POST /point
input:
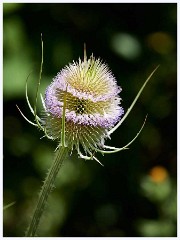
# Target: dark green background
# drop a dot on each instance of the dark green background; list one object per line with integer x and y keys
{"x": 123, "y": 198}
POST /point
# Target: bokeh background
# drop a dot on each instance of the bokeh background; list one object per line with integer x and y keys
{"x": 134, "y": 194}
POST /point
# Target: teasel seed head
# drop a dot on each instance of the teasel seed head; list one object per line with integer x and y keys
{"x": 92, "y": 104}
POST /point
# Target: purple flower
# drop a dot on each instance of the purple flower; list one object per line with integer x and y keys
{"x": 92, "y": 104}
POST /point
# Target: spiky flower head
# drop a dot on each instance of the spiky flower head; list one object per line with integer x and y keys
{"x": 89, "y": 92}
{"x": 81, "y": 108}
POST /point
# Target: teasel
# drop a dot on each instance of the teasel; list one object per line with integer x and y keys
{"x": 81, "y": 109}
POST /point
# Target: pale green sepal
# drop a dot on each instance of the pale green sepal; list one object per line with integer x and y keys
{"x": 30, "y": 107}
{"x": 89, "y": 158}
{"x": 125, "y": 147}
{"x": 109, "y": 147}
{"x": 133, "y": 103}
{"x": 26, "y": 117}
{"x": 40, "y": 75}
{"x": 9, "y": 205}
{"x": 43, "y": 103}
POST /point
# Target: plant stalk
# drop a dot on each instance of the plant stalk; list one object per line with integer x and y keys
{"x": 47, "y": 187}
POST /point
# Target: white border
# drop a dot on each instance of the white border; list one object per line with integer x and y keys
{"x": 1, "y": 119}
{"x": 89, "y": 1}
{"x": 1, "y": 111}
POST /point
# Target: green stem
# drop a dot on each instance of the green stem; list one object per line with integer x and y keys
{"x": 46, "y": 190}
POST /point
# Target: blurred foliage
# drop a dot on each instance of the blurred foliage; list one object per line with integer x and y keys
{"x": 134, "y": 194}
